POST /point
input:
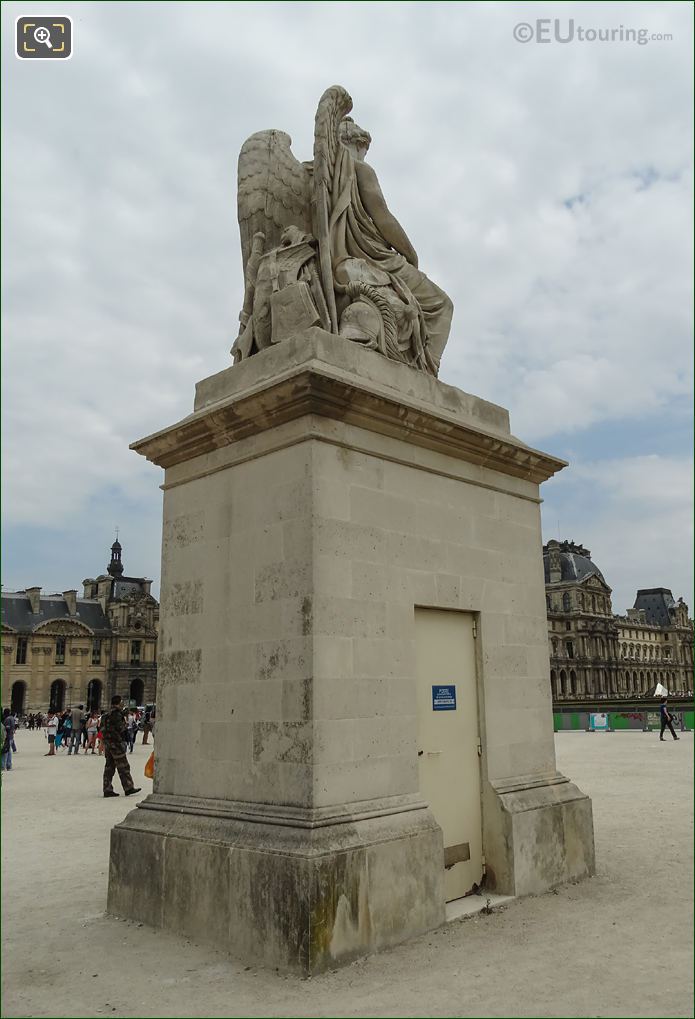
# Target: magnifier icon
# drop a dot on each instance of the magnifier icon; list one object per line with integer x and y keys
{"x": 42, "y": 34}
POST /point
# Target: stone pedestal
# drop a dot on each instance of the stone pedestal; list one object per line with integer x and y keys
{"x": 315, "y": 496}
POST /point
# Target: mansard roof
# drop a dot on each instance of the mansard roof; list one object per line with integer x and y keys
{"x": 16, "y": 612}
{"x": 656, "y": 602}
{"x": 126, "y": 587}
{"x": 576, "y": 565}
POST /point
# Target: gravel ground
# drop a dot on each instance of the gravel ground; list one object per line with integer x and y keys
{"x": 619, "y": 944}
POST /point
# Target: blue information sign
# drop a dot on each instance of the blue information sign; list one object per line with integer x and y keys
{"x": 444, "y": 698}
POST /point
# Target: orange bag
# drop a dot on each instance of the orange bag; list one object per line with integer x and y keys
{"x": 149, "y": 767}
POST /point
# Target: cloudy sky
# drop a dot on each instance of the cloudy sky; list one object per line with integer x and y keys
{"x": 545, "y": 185}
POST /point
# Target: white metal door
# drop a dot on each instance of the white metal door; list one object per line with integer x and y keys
{"x": 448, "y": 740}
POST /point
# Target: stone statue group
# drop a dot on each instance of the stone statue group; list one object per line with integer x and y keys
{"x": 320, "y": 247}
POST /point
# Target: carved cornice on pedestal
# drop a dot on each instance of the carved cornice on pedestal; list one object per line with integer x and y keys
{"x": 318, "y": 387}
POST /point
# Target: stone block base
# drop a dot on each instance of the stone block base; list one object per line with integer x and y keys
{"x": 301, "y": 891}
{"x": 539, "y": 834}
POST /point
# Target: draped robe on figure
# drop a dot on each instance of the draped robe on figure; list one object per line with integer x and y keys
{"x": 353, "y": 234}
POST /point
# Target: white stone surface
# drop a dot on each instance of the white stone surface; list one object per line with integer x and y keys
{"x": 309, "y": 505}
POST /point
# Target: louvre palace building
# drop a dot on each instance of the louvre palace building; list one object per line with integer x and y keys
{"x": 60, "y": 649}
{"x": 596, "y": 654}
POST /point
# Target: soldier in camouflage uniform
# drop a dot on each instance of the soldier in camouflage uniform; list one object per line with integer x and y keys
{"x": 113, "y": 730}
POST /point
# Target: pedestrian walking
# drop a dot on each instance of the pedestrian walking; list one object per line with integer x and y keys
{"x": 7, "y": 736}
{"x": 666, "y": 718}
{"x": 76, "y": 719}
{"x": 131, "y": 731}
{"x": 51, "y": 730}
{"x": 146, "y": 726}
{"x": 113, "y": 726}
{"x": 92, "y": 729}
{"x": 63, "y": 731}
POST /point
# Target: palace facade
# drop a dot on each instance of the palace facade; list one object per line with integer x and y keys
{"x": 594, "y": 653}
{"x": 60, "y": 649}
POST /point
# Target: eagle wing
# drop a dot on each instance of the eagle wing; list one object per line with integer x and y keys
{"x": 274, "y": 190}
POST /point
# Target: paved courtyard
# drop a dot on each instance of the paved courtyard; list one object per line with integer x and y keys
{"x": 620, "y": 944}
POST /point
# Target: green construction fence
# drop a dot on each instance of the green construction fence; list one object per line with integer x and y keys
{"x": 617, "y": 720}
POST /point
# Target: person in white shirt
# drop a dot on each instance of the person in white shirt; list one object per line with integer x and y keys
{"x": 131, "y": 730}
{"x": 51, "y": 730}
{"x": 92, "y": 728}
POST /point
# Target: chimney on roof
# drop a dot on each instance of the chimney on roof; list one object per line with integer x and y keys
{"x": 104, "y": 589}
{"x": 71, "y": 601}
{"x": 554, "y": 565}
{"x": 34, "y": 595}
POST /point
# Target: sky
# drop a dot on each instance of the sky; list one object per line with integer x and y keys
{"x": 546, "y": 186}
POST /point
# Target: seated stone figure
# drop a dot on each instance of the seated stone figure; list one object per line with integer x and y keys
{"x": 368, "y": 243}
{"x": 359, "y": 271}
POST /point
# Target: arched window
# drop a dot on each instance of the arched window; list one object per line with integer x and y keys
{"x": 94, "y": 692}
{"x": 593, "y": 603}
{"x": 563, "y": 682}
{"x": 18, "y": 696}
{"x": 547, "y": 603}
{"x": 137, "y": 691}
{"x": 57, "y": 699}
{"x": 573, "y": 683}
{"x": 566, "y": 604}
